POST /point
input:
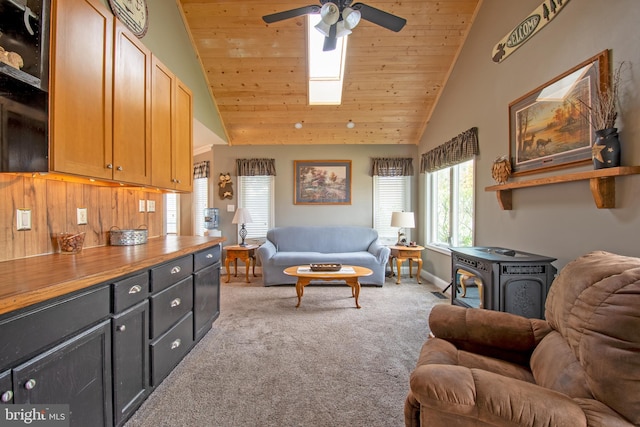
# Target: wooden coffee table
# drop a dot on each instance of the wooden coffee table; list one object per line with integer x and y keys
{"x": 348, "y": 273}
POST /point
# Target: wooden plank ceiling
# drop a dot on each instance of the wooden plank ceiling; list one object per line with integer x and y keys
{"x": 258, "y": 72}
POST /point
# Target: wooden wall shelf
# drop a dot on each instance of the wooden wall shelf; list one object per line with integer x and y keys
{"x": 601, "y": 181}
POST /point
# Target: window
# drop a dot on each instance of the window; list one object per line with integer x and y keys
{"x": 326, "y": 68}
{"x": 450, "y": 205}
{"x": 200, "y": 202}
{"x": 171, "y": 213}
{"x": 390, "y": 194}
{"x": 256, "y": 194}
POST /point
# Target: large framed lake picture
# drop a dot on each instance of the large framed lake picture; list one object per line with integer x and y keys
{"x": 549, "y": 127}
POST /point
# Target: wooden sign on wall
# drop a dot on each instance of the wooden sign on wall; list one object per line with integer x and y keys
{"x": 526, "y": 29}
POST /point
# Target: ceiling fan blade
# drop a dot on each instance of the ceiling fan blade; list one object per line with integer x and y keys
{"x": 380, "y": 17}
{"x": 331, "y": 41}
{"x": 293, "y": 13}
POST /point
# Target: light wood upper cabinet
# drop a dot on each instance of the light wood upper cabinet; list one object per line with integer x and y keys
{"x": 100, "y": 99}
{"x": 171, "y": 130}
{"x": 81, "y": 88}
{"x": 131, "y": 109}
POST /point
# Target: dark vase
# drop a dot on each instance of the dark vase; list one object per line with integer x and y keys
{"x": 606, "y": 149}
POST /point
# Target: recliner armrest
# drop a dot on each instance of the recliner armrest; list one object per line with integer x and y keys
{"x": 488, "y": 332}
{"x": 490, "y": 397}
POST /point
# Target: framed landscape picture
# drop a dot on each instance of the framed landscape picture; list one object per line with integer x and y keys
{"x": 322, "y": 182}
{"x": 549, "y": 127}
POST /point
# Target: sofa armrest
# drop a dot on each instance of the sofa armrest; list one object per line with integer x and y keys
{"x": 380, "y": 251}
{"x": 266, "y": 251}
{"x": 488, "y": 332}
{"x": 491, "y": 398}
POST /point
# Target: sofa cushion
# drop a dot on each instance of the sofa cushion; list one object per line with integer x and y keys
{"x": 286, "y": 259}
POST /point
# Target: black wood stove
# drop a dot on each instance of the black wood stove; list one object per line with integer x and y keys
{"x": 501, "y": 279}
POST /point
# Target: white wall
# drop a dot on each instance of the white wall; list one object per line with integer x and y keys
{"x": 560, "y": 220}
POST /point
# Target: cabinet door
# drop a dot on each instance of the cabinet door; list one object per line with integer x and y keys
{"x": 6, "y": 388}
{"x": 131, "y": 109}
{"x": 130, "y": 360}
{"x": 183, "y": 147}
{"x": 81, "y": 88}
{"x": 206, "y": 303}
{"x": 162, "y": 125}
{"x": 77, "y": 372}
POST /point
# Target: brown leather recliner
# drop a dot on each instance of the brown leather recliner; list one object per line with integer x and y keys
{"x": 579, "y": 367}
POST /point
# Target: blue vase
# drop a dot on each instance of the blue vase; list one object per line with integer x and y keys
{"x": 606, "y": 149}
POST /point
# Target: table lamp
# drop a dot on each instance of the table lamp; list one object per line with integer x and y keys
{"x": 242, "y": 217}
{"x": 402, "y": 220}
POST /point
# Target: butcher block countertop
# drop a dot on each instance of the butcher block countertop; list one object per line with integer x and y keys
{"x": 28, "y": 281}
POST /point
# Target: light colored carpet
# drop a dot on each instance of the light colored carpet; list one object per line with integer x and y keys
{"x": 266, "y": 363}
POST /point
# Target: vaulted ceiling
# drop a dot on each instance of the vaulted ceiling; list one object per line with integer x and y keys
{"x": 257, "y": 72}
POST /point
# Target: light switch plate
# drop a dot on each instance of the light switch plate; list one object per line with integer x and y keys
{"x": 141, "y": 206}
{"x": 81, "y": 214}
{"x": 23, "y": 219}
{"x": 231, "y": 208}
{"x": 151, "y": 205}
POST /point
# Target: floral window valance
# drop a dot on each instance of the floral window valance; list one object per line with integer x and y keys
{"x": 201, "y": 169}
{"x": 460, "y": 149}
{"x": 392, "y": 166}
{"x": 253, "y": 167}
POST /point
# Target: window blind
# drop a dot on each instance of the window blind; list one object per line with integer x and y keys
{"x": 255, "y": 193}
{"x": 391, "y": 194}
{"x": 200, "y": 202}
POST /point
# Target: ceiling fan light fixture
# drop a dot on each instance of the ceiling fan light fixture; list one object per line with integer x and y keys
{"x": 351, "y": 18}
{"x": 323, "y": 28}
{"x": 342, "y": 30}
{"x": 330, "y": 13}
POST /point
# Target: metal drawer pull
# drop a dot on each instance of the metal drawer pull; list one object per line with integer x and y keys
{"x": 135, "y": 289}
{"x": 121, "y": 328}
{"x": 30, "y": 385}
{"x": 7, "y": 396}
{"x": 209, "y": 256}
{"x": 176, "y": 344}
{"x": 175, "y": 269}
{"x": 176, "y": 302}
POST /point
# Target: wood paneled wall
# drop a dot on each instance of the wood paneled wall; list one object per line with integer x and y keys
{"x": 53, "y": 203}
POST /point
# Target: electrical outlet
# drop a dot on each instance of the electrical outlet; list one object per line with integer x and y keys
{"x": 151, "y": 205}
{"x": 81, "y": 214}
{"x": 141, "y": 206}
{"x": 23, "y": 219}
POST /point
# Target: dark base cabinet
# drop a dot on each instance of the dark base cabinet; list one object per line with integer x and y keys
{"x": 103, "y": 350}
{"x": 130, "y": 331}
{"x": 76, "y": 372}
{"x": 206, "y": 309}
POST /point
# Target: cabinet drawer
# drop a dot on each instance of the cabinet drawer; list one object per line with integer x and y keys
{"x": 6, "y": 387}
{"x": 170, "y": 305}
{"x": 167, "y": 274}
{"x": 130, "y": 291}
{"x": 170, "y": 348}
{"x": 33, "y": 330}
{"x": 207, "y": 257}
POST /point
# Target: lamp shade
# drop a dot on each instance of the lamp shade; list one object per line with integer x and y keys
{"x": 350, "y": 17}
{"x": 242, "y": 216}
{"x": 330, "y": 13}
{"x": 403, "y": 220}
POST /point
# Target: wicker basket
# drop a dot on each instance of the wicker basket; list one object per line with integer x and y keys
{"x": 138, "y": 236}
{"x": 325, "y": 267}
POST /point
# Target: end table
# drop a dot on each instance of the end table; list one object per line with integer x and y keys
{"x": 403, "y": 253}
{"x": 246, "y": 254}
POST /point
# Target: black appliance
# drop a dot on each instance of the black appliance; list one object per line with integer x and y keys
{"x": 24, "y": 98}
{"x": 501, "y": 279}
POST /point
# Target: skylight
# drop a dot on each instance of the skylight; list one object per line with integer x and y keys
{"x": 326, "y": 69}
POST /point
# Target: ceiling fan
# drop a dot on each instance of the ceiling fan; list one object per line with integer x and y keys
{"x": 339, "y": 17}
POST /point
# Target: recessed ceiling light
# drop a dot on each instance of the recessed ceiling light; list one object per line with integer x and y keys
{"x": 298, "y": 125}
{"x": 351, "y": 125}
